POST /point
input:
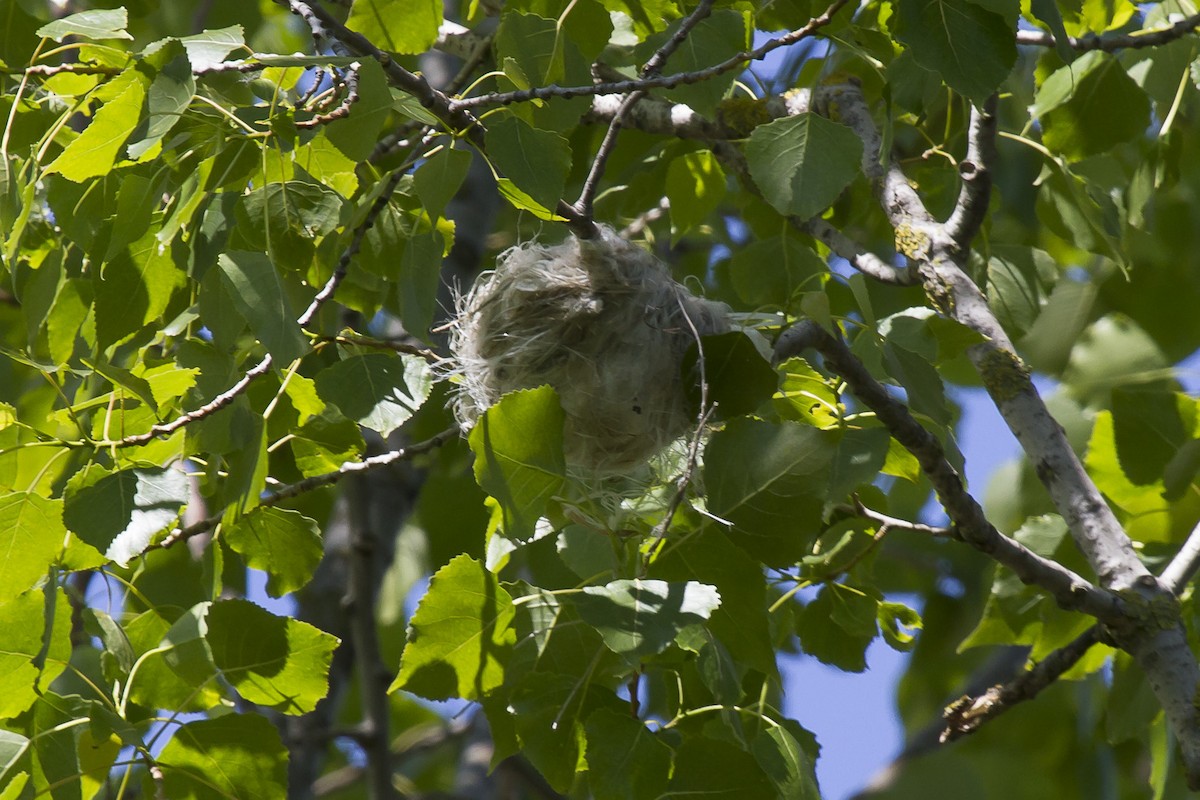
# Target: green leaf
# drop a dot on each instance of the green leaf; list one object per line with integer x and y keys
{"x": 377, "y": 390}
{"x": 117, "y": 648}
{"x": 323, "y": 445}
{"x": 838, "y": 626}
{"x": 550, "y": 711}
{"x": 718, "y": 771}
{"x": 357, "y": 134}
{"x": 254, "y": 288}
{"x": 37, "y": 645}
{"x": 805, "y": 396}
{"x": 1019, "y": 280}
{"x": 277, "y": 662}
{"x": 518, "y": 446}
{"x": 232, "y": 756}
{"x": 120, "y": 512}
{"x": 285, "y": 219}
{"x": 768, "y": 272}
{"x": 437, "y": 180}
{"x": 135, "y": 288}
{"x": 171, "y": 92}
{"x": 1047, "y": 11}
{"x": 552, "y": 637}
{"x": 769, "y": 481}
{"x": 787, "y": 764}
{"x": 417, "y": 284}
{"x": 1090, "y": 106}
{"x": 861, "y": 454}
{"x": 740, "y": 622}
{"x": 14, "y": 749}
{"x": 210, "y": 47}
{"x": 283, "y": 543}
{"x": 98, "y": 25}
{"x": 921, "y": 381}
{"x": 95, "y": 151}
{"x": 972, "y": 48}
{"x": 461, "y": 636}
{"x": 642, "y": 617}
{"x": 896, "y": 621}
{"x": 31, "y": 537}
{"x": 740, "y": 380}
{"x": 802, "y": 163}
{"x": 1149, "y": 426}
{"x": 625, "y": 759}
{"x": 536, "y": 161}
{"x": 400, "y": 26}
{"x": 158, "y": 684}
{"x": 695, "y": 187}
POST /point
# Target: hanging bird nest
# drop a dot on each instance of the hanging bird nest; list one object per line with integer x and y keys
{"x": 604, "y": 323}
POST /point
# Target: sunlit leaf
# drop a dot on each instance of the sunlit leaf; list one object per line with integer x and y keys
{"x": 461, "y": 636}
{"x": 236, "y": 755}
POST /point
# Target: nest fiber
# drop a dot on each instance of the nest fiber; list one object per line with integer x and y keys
{"x": 601, "y": 321}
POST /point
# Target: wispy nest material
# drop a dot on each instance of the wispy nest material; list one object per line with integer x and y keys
{"x": 601, "y": 321}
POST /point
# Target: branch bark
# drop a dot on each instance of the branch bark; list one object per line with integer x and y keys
{"x": 1149, "y": 627}
{"x": 1068, "y": 588}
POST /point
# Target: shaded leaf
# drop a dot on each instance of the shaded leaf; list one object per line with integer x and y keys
{"x": 1089, "y": 106}
{"x": 768, "y": 480}
{"x": 253, "y": 286}
{"x": 536, "y": 161}
{"x": 718, "y": 770}
{"x": 624, "y": 758}
{"x": 695, "y": 187}
{"x": 802, "y": 163}
{"x": 970, "y": 47}
{"x": 642, "y": 617}
{"x": 119, "y": 512}
{"x": 377, "y": 390}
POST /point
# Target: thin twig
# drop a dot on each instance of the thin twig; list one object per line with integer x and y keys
{"x": 967, "y": 714}
{"x": 1115, "y": 41}
{"x": 316, "y": 482}
{"x": 859, "y": 257}
{"x": 667, "y": 82}
{"x": 651, "y": 68}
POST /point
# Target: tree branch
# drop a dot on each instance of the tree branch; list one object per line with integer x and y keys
{"x": 1184, "y": 565}
{"x": 975, "y": 171}
{"x": 373, "y": 674}
{"x": 967, "y": 714}
{"x": 1149, "y": 627}
{"x": 1068, "y": 588}
{"x": 1117, "y": 41}
{"x": 316, "y": 482}
{"x": 644, "y": 84}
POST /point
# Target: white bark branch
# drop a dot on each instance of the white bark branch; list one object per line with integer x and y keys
{"x": 1151, "y": 630}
